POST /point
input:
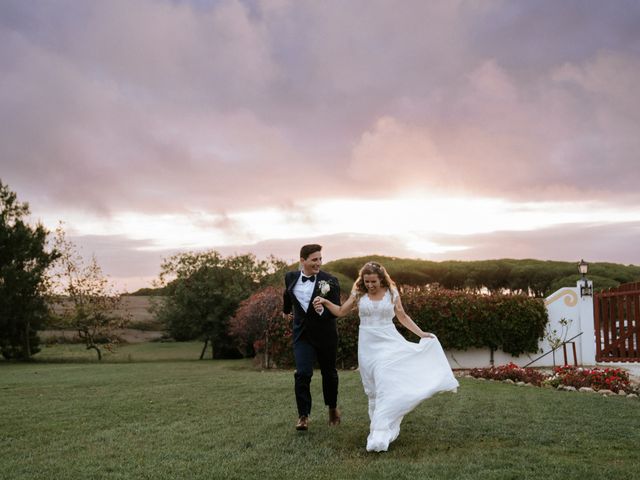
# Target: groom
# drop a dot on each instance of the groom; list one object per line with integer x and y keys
{"x": 314, "y": 332}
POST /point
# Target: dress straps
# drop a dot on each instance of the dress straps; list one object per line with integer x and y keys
{"x": 394, "y": 295}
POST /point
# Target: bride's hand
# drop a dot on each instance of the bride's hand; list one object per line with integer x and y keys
{"x": 427, "y": 335}
{"x": 319, "y": 301}
{"x": 318, "y": 305}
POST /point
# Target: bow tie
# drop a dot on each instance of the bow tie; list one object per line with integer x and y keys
{"x": 312, "y": 278}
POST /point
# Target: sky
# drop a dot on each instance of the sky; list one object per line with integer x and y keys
{"x": 438, "y": 130}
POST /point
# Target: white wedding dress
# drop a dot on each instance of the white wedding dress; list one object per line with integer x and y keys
{"x": 396, "y": 374}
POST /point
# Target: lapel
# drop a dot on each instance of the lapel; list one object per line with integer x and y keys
{"x": 293, "y": 282}
{"x": 296, "y": 277}
{"x": 316, "y": 289}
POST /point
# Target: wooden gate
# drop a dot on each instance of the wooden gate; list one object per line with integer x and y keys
{"x": 617, "y": 323}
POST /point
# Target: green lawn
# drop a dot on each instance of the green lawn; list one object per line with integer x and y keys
{"x": 138, "y": 417}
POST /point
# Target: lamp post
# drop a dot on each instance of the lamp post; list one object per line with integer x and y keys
{"x": 585, "y": 288}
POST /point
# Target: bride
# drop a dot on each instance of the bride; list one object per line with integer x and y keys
{"x": 396, "y": 374}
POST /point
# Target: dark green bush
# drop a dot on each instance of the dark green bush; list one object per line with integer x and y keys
{"x": 461, "y": 320}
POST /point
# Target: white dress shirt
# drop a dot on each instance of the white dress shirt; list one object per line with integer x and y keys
{"x": 304, "y": 290}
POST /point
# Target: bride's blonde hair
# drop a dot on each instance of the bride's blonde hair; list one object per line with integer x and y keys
{"x": 370, "y": 268}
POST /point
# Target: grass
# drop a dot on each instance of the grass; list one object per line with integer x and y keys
{"x": 165, "y": 418}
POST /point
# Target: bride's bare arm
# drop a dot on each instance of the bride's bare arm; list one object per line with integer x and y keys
{"x": 338, "y": 311}
{"x": 406, "y": 320}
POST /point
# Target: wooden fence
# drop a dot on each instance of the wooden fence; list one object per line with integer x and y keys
{"x": 617, "y": 323}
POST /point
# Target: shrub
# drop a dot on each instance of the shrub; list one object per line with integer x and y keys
{"x": 510, "y": 372}
{"x": 279, "y": 335}
{"x": 462, "y": 320}
{"x": 348, "y": 327}
{"x": 258, "y": 328}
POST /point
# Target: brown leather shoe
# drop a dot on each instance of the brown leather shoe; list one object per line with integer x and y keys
{"x": 303, "y": 423}
{"x": 334, "y": 416}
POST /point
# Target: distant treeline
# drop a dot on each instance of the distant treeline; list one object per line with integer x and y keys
{"x": 535, "y": 277}
{"x": 149, "y": 292}
{"x": 530, "y": 277}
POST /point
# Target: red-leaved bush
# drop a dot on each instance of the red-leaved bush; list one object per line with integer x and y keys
{"x": 257, "y": 326}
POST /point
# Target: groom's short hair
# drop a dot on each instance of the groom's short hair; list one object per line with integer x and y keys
{"x": 307, "y": 250}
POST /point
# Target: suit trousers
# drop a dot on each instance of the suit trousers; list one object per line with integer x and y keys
{"x": 306, "y": 352}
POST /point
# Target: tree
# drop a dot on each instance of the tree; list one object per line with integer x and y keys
{"x": 23, "y": 281}
{"x": 203, "y": 292}
{"x": 86, "y": 299}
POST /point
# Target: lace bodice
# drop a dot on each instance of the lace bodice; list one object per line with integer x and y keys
{"x": 376, "y": 313}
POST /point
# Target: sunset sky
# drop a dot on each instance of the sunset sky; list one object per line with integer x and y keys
{"x": 423, "y": 129}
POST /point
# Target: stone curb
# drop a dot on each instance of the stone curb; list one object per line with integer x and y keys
{"x": 566, "y": 388}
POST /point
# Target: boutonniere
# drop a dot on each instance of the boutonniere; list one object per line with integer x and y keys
{"x": 324, "y": 287}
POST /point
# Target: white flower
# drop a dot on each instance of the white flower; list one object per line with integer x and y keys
{"x": 324, "y": 287}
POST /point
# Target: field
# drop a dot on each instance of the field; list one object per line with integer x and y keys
{"x": 138, "y": 309}
{"x": 136, "y": 306}
{"x": 143, "y": 326}
{"x": 151, "y": 411}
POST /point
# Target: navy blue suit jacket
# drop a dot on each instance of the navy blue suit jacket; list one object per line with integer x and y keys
{"x": 317, "y": 329}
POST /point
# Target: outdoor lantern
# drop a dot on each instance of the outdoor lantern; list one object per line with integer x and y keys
{"x": 585, "y": 289}
{"x": 583, "y": 267}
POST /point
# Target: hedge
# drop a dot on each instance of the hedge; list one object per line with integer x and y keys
{"x": 511, "y": 323}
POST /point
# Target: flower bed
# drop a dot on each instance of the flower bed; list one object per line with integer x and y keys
{"x": 510, "y": 372}
{"x": 615, "y": 380}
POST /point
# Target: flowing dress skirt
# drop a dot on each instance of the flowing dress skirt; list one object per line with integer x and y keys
{"x": 397, "y": 375}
